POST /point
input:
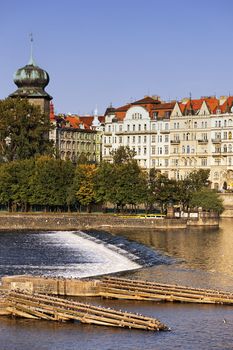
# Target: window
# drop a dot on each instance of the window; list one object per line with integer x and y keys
{"x": 139, "y": 150}
{"x": 139, "y": 139}
{"x": 133, "y": 139}
{"x": 144, "y": 139}
{"x": 224, "y": 148}
{"x": 225, "y": 135}
{"x": 165, "y": 149}
{"x": 178, "y": 125}
{"x": 153, "y": 139}
{"x": 144, "y": 126}
{"x": 128, "y": 139}
{"x": 166, "y": 138}
{"x": 188, "y": 149}
{"x": 230, "y": 148}
{"x": 139, "y": 127}
{"x": 128, "y": 127}
{"x": 160, "y": 138}
{"x": 153, "y": 150}
{"x": 144, "y": 151}
{"x": 204, "y": 162}
{"x": 153, "y": 126}
{"x": 195, "y": 124}
{"x": 120, "y": 139}
{"x": 133, "y": 127}
{"x": 166, "y": 162}
{"x": 166, "y": 126}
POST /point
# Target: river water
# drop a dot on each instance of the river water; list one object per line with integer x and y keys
{"x": 199, "y": 258}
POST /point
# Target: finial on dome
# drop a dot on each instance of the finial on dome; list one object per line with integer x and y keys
{"x": 96, "y": 111}
{"x": 31, "y": 60}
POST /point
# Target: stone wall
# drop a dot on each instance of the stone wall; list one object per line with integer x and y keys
{"x": 81, "y": 222}
{"x": 228, "y": 204}
{"x": 64, "y": 222}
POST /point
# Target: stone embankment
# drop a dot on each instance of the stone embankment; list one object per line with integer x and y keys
{"x": 75, "y": 221}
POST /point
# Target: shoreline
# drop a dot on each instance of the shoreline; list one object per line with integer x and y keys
{"x": 69, "y": 222}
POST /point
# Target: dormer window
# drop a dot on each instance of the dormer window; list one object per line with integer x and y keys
{"x": 155, "y": 115}
{"x": 218, "y": 111}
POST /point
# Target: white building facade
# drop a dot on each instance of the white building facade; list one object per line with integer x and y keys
{"x": 175, "y": 137}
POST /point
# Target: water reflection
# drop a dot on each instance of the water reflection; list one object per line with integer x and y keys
{"x": 205, "y": 249}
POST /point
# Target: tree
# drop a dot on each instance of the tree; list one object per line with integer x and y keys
{"x": 195, "y": 181}
{"x": 105, "y": 182}
{"x": 123, "y": 155}
{"x": 24, "y": 130}
{"x": 207, "y": 199}
{"x": 51, "y": 182}
{"x": 84, "y": 185}
{"x": 15, "y": 179}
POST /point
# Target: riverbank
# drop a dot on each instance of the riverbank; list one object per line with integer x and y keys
{"x": 74, "y": 221}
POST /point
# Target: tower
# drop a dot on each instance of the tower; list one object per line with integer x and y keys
{"x": 31, "y": 81}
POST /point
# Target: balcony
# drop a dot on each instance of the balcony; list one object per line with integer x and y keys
{"x": 175, "y": 142}
{"x": 217, "y": 140}
{"x": 203, "y": 141}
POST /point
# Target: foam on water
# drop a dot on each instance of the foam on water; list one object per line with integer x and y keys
{"x": 103, "y": 259}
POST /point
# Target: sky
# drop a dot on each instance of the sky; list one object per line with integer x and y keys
{"x": 102, "y": 52}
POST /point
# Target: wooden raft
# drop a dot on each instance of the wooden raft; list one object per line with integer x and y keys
{"x": 122, "y": 288}
{"x": 39, "y": 306}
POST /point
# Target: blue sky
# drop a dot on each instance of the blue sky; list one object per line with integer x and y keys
{"x": 99, "y": 52}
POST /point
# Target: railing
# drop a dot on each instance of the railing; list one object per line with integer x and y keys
{"x": 175, "y": 142}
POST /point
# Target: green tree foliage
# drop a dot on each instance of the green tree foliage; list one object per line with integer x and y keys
{"x": 15, "y": 179}
{"x": 161, "y": 190}
{"x": 130, "y": 185}
{"x": 23, "y": 130}
{"x": 105, "y": 182}
{"x": 123, "y": 155}
{"x": 51, "y": 182}
{"x": 84, "y": 185}
{"x": 195, "y": 181}
{"x": 207, "y": 199}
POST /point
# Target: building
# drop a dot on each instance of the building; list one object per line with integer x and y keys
{"x": 143, "y": 126}
{"x": 77, "y": 136}
{"x": 175, "y": 137}
{"x": 31, "y": 81}
{"x": 201, "y": 137}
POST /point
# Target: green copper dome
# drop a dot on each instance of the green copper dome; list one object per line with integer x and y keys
{"x": 31, "y": 81}
{"x": 31, "y": 76}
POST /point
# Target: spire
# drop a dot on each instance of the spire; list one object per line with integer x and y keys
{"x": 96, "y": 112}
{"x": 31, "y": 60}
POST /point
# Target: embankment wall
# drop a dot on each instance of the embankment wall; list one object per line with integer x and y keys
{"x": 65, "y": 222}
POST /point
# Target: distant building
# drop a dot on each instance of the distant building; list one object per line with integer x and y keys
{"x": 31, "y": 81}
{"x": 76, "y": 136}
{"x": 143, "y": 126}
{"x": 176, "y": 137}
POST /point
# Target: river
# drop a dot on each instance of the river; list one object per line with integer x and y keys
{"x": 199, "y": 258}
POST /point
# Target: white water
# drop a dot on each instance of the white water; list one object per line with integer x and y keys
{"x": 102, "y": 258}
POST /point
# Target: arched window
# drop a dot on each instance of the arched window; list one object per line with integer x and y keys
{"x": 183, "y": 149}
{"x": 188, "y": 149}
{"x": 225, "y": 148}
{"x": 225, "y": 123}
{"x": 230, "y": 135}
